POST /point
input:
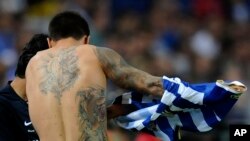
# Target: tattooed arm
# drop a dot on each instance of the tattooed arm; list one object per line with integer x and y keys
{"x": 126, "y": 76}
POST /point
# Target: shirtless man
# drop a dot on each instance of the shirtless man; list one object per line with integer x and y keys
{"x": 66, "y": 84}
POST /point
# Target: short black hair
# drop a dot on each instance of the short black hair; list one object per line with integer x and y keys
{"x": 68, "y": 24}
{"x": 37, "y": 43}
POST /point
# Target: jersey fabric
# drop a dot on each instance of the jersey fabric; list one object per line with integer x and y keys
{"x": 15, "y": 124}
{"x": 191, "y": 107}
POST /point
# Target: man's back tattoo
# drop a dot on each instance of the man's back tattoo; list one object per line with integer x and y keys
{"x": 92, "y": 114}
{"x": 60, "y": 71}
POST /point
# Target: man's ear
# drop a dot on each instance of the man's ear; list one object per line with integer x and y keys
{"x": 88, "y": 39}
{"x": 51, "y": 43}
{"x": 85, "y": 39}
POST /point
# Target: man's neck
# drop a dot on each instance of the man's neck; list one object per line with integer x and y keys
{"x": 18, "y": 84}
{"x": 68, "y": 42}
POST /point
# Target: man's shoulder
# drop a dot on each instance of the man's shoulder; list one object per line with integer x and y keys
{"x": 35, "y": 59}
{"x": 103, "y": 48}
{"x": 100, "y": 51}
{"x": 86, "y": 47}
{"x": 39, "y": 55}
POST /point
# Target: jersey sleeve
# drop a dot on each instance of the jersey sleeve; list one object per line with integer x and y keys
{"x": 6, "y": 133}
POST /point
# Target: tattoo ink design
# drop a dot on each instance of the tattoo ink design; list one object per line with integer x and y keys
{"x": 115, "y": 67}
{"x": 126, "y": 76}
{"x": 60, "y": 71}
{"x": 92, "y": 114}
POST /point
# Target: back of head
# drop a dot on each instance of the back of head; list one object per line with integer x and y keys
{"x": 37, "y": 43}
{"x": 68, "y": 24}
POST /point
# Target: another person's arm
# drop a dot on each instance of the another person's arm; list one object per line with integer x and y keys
{"x": 126, "y": 76}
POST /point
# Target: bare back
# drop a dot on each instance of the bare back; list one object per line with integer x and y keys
{"x": 66, "y": 93}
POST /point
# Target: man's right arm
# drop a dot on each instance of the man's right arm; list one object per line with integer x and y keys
{"x": 126, "y": 76}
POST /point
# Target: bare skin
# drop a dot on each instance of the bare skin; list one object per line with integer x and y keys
{"x": 66, "y": 90}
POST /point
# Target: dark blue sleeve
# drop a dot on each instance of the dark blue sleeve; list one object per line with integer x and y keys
{"x": 6, "y": 128}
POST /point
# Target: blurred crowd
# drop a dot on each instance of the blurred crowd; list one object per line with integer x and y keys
{"x": 196, "y": 40}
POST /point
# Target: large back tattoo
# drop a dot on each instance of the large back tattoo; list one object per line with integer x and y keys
{"x": 59, "y": 74}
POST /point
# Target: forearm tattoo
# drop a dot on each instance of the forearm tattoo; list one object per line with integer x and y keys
{"x": 116, "y": 68}
{"x": 60, "y": 71}
{"x": 92, "y": 114}
{"x": 126, "y": 76}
